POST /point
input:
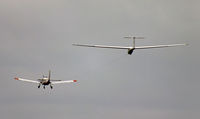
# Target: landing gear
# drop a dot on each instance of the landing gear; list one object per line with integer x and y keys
{"x": 51, "y": 86}
{"x": 39, "y": 86}
{"x": 44, "y": 86}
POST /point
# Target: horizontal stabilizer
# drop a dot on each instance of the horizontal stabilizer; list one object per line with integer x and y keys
{"x": 133, "y": 37}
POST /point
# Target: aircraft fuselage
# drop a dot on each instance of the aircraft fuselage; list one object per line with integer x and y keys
{"x": 44, "y": 81}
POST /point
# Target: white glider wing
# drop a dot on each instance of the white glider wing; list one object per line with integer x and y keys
{"x": 27, "y": 80}
{"x": 130, "y": 49}
{"x": 102, "y": 46}
{"x": 59, "y": 82}
{"x": 159, "y": 46}
{"x": 123, "y": 47}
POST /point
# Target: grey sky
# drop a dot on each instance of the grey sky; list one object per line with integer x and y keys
{"x": 36, "y": 36}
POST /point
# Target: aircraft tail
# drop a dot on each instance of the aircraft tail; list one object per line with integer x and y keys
{"x": 133, "y": 38}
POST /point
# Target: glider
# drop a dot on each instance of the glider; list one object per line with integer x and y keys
{"x": 130, "y": 48}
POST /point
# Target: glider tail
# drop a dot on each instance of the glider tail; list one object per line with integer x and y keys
{"x": 133, "y": 38}
{"x": 130, "y": 51}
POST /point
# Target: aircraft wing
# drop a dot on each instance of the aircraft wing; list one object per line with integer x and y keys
{"x": 102, "y": 46}
{"x": 159, "y": 46}
{"x": 27, "y": 80}
{"x": 59, "y": 82}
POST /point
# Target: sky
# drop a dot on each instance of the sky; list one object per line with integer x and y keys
{"x": 36, "y": 36}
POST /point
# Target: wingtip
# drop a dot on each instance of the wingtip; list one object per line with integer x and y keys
{"x": 16, "y": 78}
{"x": 75, "y": 80}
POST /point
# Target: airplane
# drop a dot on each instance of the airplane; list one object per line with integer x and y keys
{"x": 46, "y": 81}
{"x": 130, "y": 48}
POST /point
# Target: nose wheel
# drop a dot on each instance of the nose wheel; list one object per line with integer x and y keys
{"x": 39, "y": 86}
{"x": 44, "y": 86}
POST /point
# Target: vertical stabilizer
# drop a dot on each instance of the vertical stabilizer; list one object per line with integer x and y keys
{"x": 49, "y": 77}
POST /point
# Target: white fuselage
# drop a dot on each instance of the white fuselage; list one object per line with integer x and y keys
{"x": 44, "y": 81}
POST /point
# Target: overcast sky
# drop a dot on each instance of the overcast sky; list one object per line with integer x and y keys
{"x": 36, "y": 36}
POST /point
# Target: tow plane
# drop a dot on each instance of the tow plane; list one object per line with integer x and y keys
{"x": 46, "y": 80}
{"x": 130, "y": 48}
